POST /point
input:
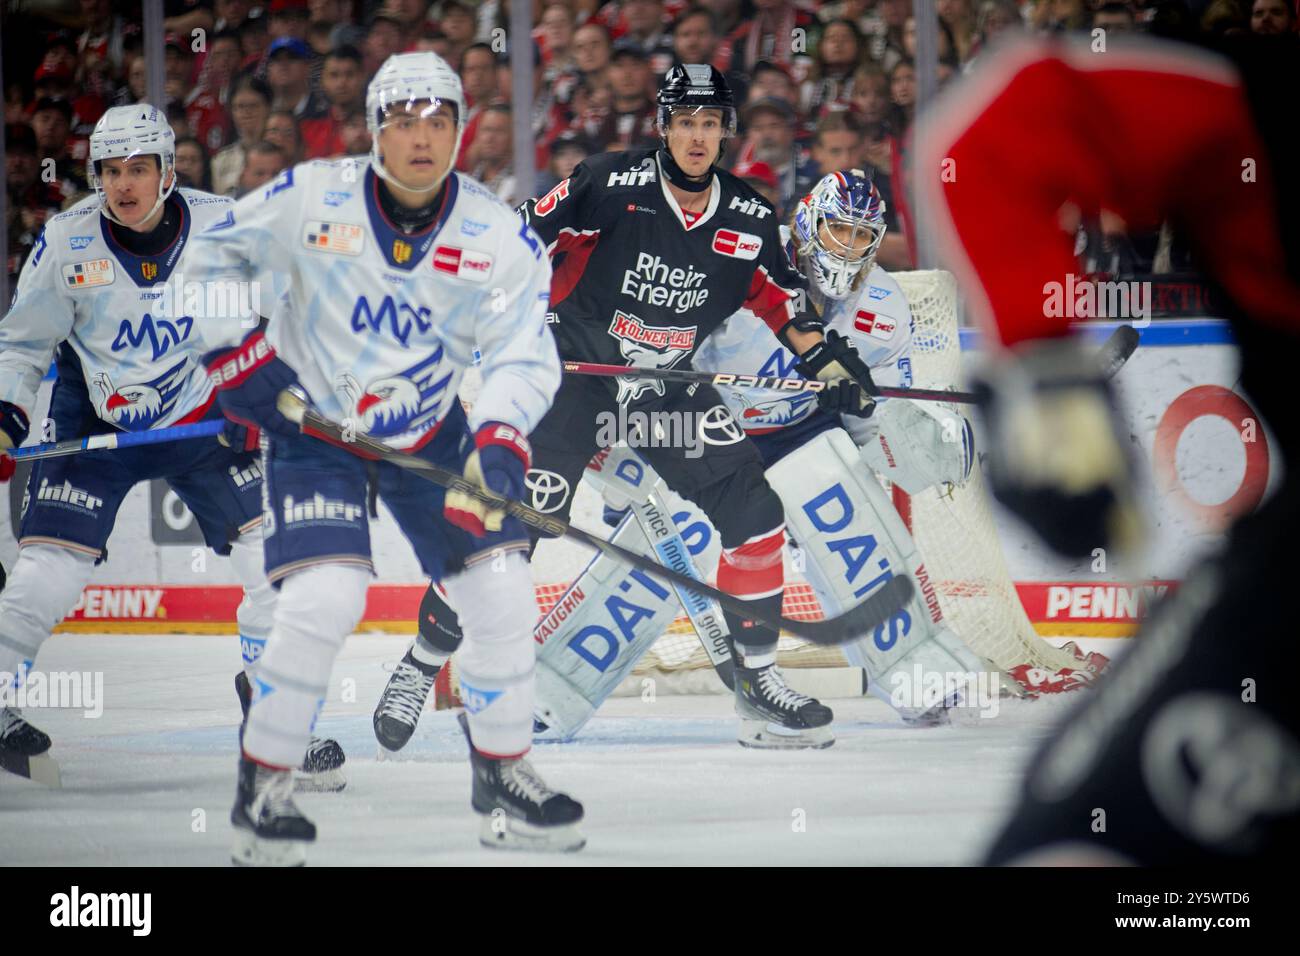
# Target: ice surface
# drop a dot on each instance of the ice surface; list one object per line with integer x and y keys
{"x": 664, "y": 781}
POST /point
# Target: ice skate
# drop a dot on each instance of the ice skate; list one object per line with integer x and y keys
{"x": 269, "y": 829}
{"x": 401, "y": 703}
{"x": 24, "y": 750}
{"x": 774, "y": 717}
{"x": 518, "y": 810}
{"x": 322, "y": 764}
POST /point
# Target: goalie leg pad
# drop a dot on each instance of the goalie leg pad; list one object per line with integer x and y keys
{"x": 497, "y": 606}
{"x": 913, "y": 448}
{"x": 852, "y": 541}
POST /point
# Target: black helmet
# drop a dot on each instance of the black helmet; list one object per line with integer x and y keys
{"x": 696, "y": 85}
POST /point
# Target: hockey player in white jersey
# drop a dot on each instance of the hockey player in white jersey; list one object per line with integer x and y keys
{"x": 396, "y": 268}
{"x": 100, "y": 288}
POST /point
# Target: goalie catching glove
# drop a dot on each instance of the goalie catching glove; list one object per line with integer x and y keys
{"x": 249, "y": 380}
{"x": 835, "y": 360}
{"x": 497, "y": 465}
{"x": 1057, "y": 456}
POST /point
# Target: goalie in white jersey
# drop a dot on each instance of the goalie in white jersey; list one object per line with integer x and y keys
{"x": 395, "y": 269}
{"x": 104, "y": 287}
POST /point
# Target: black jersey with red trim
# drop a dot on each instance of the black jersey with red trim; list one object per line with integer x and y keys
{"x": 633, "y": 285}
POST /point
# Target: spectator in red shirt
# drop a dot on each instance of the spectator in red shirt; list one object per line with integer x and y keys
{"x": 759, "y": 175}
{"x": 344, "y": 85}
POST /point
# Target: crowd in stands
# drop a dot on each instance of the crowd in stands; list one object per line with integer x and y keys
{"x": 255, "y": 87}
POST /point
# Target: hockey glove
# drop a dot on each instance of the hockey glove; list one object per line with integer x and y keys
{"x": 1057, "y": 456}
{"x": 239, "y": 437}
{"x": 835, "y": 360}
{"x": 497, "y": 464}
{"x": 13, "y": 432}
{"x": 249, "y": 379}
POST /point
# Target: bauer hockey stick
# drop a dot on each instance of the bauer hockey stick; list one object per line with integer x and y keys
{"x": 111, "y": 440}
{"x": 1111, "y": 357}
{"x": 865, "y": 617}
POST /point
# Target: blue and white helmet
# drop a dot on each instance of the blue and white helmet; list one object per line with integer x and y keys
{"x": 407, "y": 78}
{"x": 837, "y": 229}
{"x": 127, "y": 131}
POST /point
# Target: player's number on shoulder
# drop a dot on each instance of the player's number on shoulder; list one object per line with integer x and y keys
{"x": 530, "y": 237}
{"x": 546, "y": 205}
{"x": 282, "y": 182}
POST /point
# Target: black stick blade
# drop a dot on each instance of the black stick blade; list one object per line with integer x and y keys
{"x": 1117, "y": 350}
{"x": 864, "y": 618}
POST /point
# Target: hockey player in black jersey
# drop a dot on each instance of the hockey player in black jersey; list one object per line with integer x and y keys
{"x": 652, "y": 250}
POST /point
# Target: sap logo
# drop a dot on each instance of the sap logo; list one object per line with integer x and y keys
{"x": 832, "y": 513}
{"x": 399, "y": 318}
{"x": 80, "y": 242}
{"x": 633, "y": 177}
{"x": 477, "y": 699}
{"x": 597, "y": 644}
{"x": 161, "y": 334}
{"x": 751, "y": 207}
{"x": 336, "y": 198}
{"x": 472, "y": 227}
{"x": 877, "y": 293}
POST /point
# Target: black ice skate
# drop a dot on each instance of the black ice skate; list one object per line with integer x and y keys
{"x": 322, "y": 764}
{"x": 518, "y": 810}
{"x": 774, "y": 717}
{"x": 269, "y": 829}
{"x": 401, "y": 703}
{"x": 24, "y": 749}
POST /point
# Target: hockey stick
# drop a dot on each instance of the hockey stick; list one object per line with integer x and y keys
{"x": 111, "y": 440}
{"x": 867, "y": 616}
{"x": 1112, "y": 356}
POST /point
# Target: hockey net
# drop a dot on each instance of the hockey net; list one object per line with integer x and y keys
{"x": 954, "y": 529}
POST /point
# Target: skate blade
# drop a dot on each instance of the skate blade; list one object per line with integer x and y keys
{"x": 500, "y": 832}
{"x": 251, "y": 850}
{"x": 761, "y": 735}
{"x": 40, "y": 769}
{"x": 324, "y": 781}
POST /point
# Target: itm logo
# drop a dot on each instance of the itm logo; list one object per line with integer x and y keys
{"x": 76, "y": 909}
{"x": 750, "y": 207}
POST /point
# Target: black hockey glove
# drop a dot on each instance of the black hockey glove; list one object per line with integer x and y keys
{"x": 1057, "y": 455}
{"x": 249, "y": 380}
{"x": 835, "y": 360}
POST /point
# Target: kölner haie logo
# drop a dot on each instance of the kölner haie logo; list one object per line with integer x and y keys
{"x": 132, "y": 910}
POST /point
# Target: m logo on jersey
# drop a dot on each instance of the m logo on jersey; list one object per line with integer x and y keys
{"x": 160, "y": 333}
{"x": 648, "y": 347}
{"x": 93, "y": 273}
{"x": 738, "y": 245}
{"x": 401, "y": 251}
{"x": 876, "y": 326}
{"x": 341, "y": 237}
{"x": 399, "y": 403}
{"x": 462, "y": 263}
{"x": 400, "y": 317}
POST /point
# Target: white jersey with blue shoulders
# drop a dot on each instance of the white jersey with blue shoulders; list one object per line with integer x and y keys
{"x": 877, "y": 319}
{"x": 379, "y": 325}
{"x": 138, "y": 336}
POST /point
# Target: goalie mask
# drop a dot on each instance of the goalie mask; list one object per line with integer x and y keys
{"x": 125, "y": 132}
{"x": 413, "y": 86}
{"x": 837, "y": 229}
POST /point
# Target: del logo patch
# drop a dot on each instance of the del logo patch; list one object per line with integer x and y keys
{"x": 738, "y": 245}
{"x": 341, "y": 237}
{"x": 876, "y": 326}
{"x": 462, "y": 263}
{"x": 92, "y": 273}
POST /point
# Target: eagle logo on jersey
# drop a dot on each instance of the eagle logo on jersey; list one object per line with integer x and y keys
{"x": 400, "y": 403}
{"x": 139, "y": 406}
{"x": 648, "y": 347}
{"x": 149, "y": 270}
{"x": 775, "y": 412}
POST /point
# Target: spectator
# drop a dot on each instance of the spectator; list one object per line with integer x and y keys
{"x": 645, "y": 26}
{"x": 630, "y": 123}
{"x": 250, "y": 105}
{"x": 875, "y": 109}
{"x": 695, "y": 36}
{"x": 591, "y": 52}
{"x": 137, "y": 78}
{"x": 479, "y": 79}
{"x": 995, "y": 18}
{"x": 356, "y": 135}
{"x": 230, "y": 14}
{"x": 839, "y": 52}
{"x": 902, "y": 90}
{"x": 344, "y": 85}
{"x": 555, "y": 33}
{"x": 1223, "y": 15}
{"x": 282, "y": 131}
{"x": 264, "y": 162}
{"x": 947, "y": 46}
{"x": 183, "y": 17}
{"x": 383, "y": 39}
{"x": 254, "y": 40}
{"x": 769, "y": 138}
{"x": 491, "y": 158}
{"x": 959, "y": 17}
{"x": 887, "y": 46}
{"x": 1271, "y": 16}
{"x": 178, "y": 120}
{"x": 772, "y": 80}
{"x": 837, "y": 145}
{"x": 778, "y": 29}
{"x": 101, "y": 48}
{"x": 52, "y": 122}
{"x": 1114, "y": 18}
{"x": 567, "y": 151}
{"x": 29, "y": 200}
{"x": 193, "y": 168}
{"x": 860, "y": 12}
{"x": 288, "y": 74}
{"x": 760, "y": 176}
{"x": 456, "y": 19}
{"x": 288, "y": 18}
{"x": 220, "y": 66}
